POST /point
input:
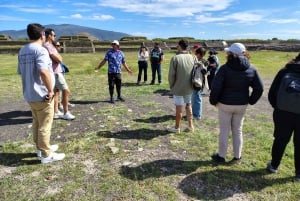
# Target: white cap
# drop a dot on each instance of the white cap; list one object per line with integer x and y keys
{"x": 115, "y": 42}
{"x": 236, "y": 48}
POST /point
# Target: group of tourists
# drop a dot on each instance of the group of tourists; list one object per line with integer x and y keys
{"x": 233, "y": 86}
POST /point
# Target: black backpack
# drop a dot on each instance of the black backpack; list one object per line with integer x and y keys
{"x": 288, "y": 96}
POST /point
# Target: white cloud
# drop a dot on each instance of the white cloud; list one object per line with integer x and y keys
{"x": 239, "y": 17}
{"x": 37, "y": 10}
{"x": 76, "y": 16}
{"x": 167, "y": 8}
{"x": 93, "y": 17}
{"x": 11, "y": 18}
{"x": 284, "y": 21}
{"x": 102, "y": 17}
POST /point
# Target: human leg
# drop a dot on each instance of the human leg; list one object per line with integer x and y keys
{"x": 178, "y": 116}
{"x": 118, "y": 80}
{"x": 153, "y": 69}
{"x": 225, "y": 118}
{"x": 111, "y": 83}
{"x": 159, "y": 73}
{"x": 178, "y": 102}
{"x": 283, "y": 128}
{"x": 197, "y": 104}
{"x": 44, "y": 116}
{"x": 296, "y": 141}
{"x": 35, "y": 125}
{"x": 237, "y": 130}
{"x": 140, "y": 73}
{"x": 145, "y": 72}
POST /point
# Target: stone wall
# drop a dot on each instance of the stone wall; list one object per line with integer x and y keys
{"x": 86, "y": 46}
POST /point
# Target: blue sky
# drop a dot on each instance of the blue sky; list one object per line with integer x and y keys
{"x": 202, "y": 19}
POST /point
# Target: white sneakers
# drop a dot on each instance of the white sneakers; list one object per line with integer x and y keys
{"x": 53, "y": 157}
{"x": 58, "y": 115}
{"x": 53, "y": 148}
{"x": 177, "y": 130}
{"x": 174, "y": 130}
{"x": 68, "y": 116}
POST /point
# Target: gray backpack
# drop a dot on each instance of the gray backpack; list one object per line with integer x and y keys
{"x": 198, "y": 75}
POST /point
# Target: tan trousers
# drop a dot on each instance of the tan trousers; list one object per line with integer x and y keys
{"x": 231, "y": 118}
{"x": 42, "y": 114}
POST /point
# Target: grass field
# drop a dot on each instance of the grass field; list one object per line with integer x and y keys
{"x": 123, "y": 152}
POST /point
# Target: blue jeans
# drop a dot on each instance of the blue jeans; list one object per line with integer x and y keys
{"x": 197, "y": 104}
{"x": 156, "y": 68}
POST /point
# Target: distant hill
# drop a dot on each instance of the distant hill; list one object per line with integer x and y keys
{"x": 69, "y": 29}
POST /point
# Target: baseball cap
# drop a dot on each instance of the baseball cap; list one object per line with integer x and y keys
{"x": 236, "y": 48}
{"x": 196, "y": 46}
{"x": 115, "y": 42}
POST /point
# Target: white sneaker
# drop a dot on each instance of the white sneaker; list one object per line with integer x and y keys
{"x": 174, "y": 130}
{"x": 71, "y": 104}
{"x": 190, "y": 129}
{"x": 53, "y": 148}
{"x": 53, "y": 157}
{"x": 68, "y": 116}
{"x": 61, "y": 108}
{"x": 58, "y": 115}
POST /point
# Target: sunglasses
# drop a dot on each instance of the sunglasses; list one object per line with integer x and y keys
{"x": 57, "y": 45}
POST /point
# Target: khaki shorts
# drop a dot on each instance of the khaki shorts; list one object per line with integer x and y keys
{"x": 60, "y": 82}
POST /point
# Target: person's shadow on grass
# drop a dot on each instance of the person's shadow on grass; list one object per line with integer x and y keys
{"x": 161, "y": 168}
{"x": 15, "y": 117}
{"x": 18, "y": 159}
{"x": 158, "y": 119}
{"x": 220, "y": 184}
{"x": 142, "y": 133}
{"x": 216, "y": 184}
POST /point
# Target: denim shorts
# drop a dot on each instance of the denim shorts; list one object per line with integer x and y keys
{"x": 181, "y": 100}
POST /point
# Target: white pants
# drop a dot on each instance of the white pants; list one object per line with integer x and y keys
{"x": 231, "y": 118}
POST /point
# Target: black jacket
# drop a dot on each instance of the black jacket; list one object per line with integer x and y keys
{"x": 293, "y": 67}
{"x": 232, "y": 82}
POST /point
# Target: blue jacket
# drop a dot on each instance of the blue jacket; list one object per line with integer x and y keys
{"x": 232, "y": 82}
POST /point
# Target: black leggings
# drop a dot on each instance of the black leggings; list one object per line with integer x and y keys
{"x": 114, "y": 78}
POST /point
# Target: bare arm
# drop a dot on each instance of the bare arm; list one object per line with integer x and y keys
{"x": 127, "y": 68}
{"x": 56, "y": 57}
{"x": 45, "y": 76}
{"x": 100, "y": 65}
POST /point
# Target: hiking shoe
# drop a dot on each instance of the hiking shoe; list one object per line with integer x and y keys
{"x": 68, "y": 116}
{"x": 270, "y": 168}
{"x": 152, "y": 83}
{"x": 53, "y": 148}
{"x": 121, "y": 99}
{"x": 216, "y": 158}
{"x": 53, "y": 157}
{"x": 112, "y": 100}
{"x": 174, "y": 130}
{"x": 235, "y": 160}
{"x": 58, "y": 115}
{"x": 297, "y": 178}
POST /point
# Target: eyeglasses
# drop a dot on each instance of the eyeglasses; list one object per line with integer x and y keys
{"x": 57, "y": 45}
